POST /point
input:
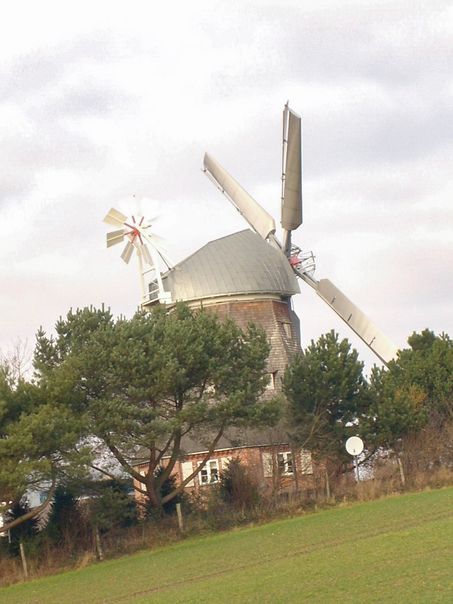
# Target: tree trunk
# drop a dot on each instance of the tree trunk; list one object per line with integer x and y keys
{"x": 154, "y": 497}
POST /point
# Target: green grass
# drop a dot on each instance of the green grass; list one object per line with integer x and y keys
{"x": 398, "y": 549}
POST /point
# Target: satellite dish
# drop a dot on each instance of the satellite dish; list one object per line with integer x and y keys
{"x": 354, "y": 445}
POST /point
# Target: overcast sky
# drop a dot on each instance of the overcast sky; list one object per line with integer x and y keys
{"x": 111, "y": 104}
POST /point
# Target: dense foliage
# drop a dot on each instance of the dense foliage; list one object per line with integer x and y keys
{"x": 404, "y": 403}
{"x": 142, "y": 385}
{"x": 237, "y": 486}
{"x": 327, "y": 395}
{"x": 117, "y": 395}
{"x": 37, "y": 443}
{"x": 413, "y": 402}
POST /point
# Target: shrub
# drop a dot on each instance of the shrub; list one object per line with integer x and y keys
{"x": 25, "y": 532}
{"x": 111, "y": 505}
{"x": 65, "y": 524}
{"x": 237, "y": 487}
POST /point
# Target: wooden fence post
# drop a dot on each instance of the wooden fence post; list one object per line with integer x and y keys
{"x": 99, "y": 550}
{"x": 180, "y": 519}
{"x": 24, "y": 559}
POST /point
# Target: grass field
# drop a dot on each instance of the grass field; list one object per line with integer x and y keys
{"x": 398, "y": 550}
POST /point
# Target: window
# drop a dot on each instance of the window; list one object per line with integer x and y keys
{"x": 272, "y": 380}
{"x": 267, "y": 464}
{"x": 285, "y": 463}
{"x": 187, "y": 469}
{"x": 210, "y": 472}
{"x": 287, "y": 329}
{"x": 306, "y": 462}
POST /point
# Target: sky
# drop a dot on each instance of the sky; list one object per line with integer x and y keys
{"x": 108, "y": 104}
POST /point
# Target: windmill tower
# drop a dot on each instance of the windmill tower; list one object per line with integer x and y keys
{"x": 252, "y": 275}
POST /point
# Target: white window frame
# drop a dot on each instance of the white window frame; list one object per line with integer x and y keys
{"x": 285, "y": 463}
{"x": 210, "y": 473}
{"x": 186, "y": 471}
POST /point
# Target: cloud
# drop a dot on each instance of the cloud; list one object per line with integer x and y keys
{"x": 110, "y": 106}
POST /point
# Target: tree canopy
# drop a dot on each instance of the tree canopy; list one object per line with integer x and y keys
{"x": 141, "y": 385}
{"x": 37, "y": 439}
{"x": 414, "y": 392}
{"x": 327, "y": 395}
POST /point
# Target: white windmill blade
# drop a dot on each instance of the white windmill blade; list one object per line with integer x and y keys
{"x": 156, "y": 243}
{"x": 155, "y": 239}
{"x": 256, "y": 216}
{"x": 127, "y": 252}
{"x": 115, "y": 237}
{"x": 356, "y": 320}
{"x": 115, "y": 218}
{"x": 150, "y": 221}
{"x": 291, "y": 215}
{"x": 146, "y": 254}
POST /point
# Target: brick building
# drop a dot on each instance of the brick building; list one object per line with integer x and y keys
{"x": 242, "y": 277}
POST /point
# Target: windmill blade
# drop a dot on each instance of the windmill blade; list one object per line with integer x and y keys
{"x": 149, "y": 221}
{"x": 127, "y": 252}
{"x": 291, "y": 206}
{"x": 146, "y": 254}
{"x": 156, "y": 242}
{"x": 256, "y": 216}
{"x": 155, "y": 239}
{"x": 292, "y": 170}
{"x": 356, "y": 319}
{"x": 115, "y": 218}
{"x": 115, "y": 237}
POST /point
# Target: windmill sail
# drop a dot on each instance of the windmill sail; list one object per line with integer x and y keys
{"x": 115, "y": 237}
{"x": 292, "y": 171}
{"x": 256, "y": 216}
{"x": 115, "y": 218}
{"x": 145, "y": 254}
{"x": 357, "y": 320}
{"x": 127, "y": 252}
{"x": 291, "y": 219}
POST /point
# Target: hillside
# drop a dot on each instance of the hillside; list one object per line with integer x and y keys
{"x": 398, "y": 549}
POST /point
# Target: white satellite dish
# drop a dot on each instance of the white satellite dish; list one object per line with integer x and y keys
{"x": 354, "y": 445}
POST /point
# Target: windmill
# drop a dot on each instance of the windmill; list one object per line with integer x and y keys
{"x": 150, "y": 256}
{"x": 291, "y": 218}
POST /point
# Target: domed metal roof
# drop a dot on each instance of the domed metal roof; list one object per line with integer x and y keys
{"x": 238, "y": 264}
